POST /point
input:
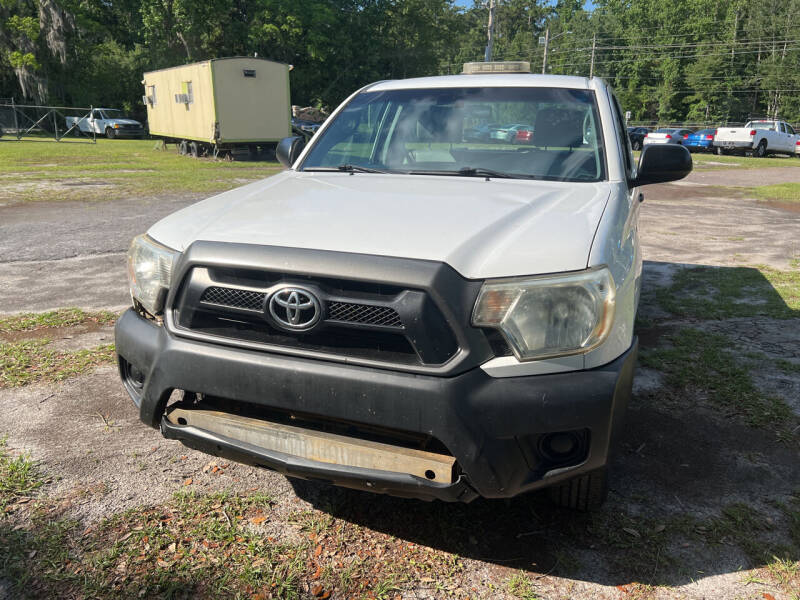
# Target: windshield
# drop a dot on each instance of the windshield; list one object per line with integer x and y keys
{"x": 112, "y": 113}
{"x": 546, "y": 133}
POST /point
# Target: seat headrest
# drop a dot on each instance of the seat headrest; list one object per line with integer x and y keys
{"x": 558, "y": 127}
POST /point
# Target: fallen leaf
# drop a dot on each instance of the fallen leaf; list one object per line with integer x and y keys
{"x": 32, "y": 553}
{"x": 768, "y": 596}
{"x": 317, "y": 590}
{"x": 188, "y": 481}
{"x": 659, "y": 528}
{"x": 163, "y": 564}
{"x": 631, "y": 531}
{"x": 258, "y": 519}
{"x": 171, "y": 548}
{"x": 318, "y": 551}
{"x": 317, "y": 573}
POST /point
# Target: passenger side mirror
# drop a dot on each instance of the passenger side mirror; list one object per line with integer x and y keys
{"x": 289, "y": 149}
{"x": 662, "y": 163}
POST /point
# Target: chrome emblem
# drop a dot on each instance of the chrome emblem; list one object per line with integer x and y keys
{"x": 294, "y": 308}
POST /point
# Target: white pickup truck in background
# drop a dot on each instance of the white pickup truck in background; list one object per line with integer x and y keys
{"x": 109, "y": 122}
{"x": 760, "y": 137}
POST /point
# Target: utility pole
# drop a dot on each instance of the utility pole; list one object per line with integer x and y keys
{"x": 594, "y": 45}
{"x": 488, "y": 56}
{"x": 546, "y": 43}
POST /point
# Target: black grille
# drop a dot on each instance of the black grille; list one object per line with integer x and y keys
{"x": 234, "y": 298}
{"x": 364, "y": 314}
{"x": 362, "y": 320}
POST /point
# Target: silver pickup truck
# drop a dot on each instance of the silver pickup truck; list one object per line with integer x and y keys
{"x": 407, "y": 310}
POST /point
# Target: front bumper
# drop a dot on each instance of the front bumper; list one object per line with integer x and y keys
{"x": 493, "y": 427}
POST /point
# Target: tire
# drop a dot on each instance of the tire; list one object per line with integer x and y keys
{"x": 110, "y": 133}
{"x": 583, "y": 493}
{"x": 194, "y": 150}
{"x": 183, "y": 148}
{"x": 721, "y": 151}
{"x": 761, "y": 149}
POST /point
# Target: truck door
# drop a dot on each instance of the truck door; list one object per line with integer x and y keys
{"x": 791, "y": 138}
{"x": 97, "y": 121}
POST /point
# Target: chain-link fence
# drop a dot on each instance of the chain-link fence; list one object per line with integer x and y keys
{"x": 29, "y": 121}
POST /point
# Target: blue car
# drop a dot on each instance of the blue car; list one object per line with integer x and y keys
{"x": 700, "y": 141}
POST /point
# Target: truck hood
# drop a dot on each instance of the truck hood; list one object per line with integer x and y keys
{"x": 495, "y": 228}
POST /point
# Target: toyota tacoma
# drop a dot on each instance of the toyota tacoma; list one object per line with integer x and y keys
{"x": 407, "y": 309}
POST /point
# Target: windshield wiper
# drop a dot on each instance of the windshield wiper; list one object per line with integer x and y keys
{"x": 476, "y": 172}
{"x": 346, "y": 169}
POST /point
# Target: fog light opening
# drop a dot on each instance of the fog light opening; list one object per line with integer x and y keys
{"x": 561, "y": 447}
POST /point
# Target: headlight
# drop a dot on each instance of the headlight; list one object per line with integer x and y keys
{"x": 149, "y": 273}
{"x": 549, "y": 316}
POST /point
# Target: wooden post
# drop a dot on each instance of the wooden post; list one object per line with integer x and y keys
{"x": 490, "y": 33}
{"x": 546, "y": 43}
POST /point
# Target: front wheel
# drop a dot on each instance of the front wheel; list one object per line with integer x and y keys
{"x": 110, "y": 133}
{"x": 761, "y": 149}
{"x": 583, "y": 493}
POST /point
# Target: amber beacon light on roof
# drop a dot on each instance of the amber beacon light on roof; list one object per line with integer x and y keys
{"x": 509, "y": 66}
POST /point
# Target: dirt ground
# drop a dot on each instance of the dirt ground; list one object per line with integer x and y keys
{"x": 683, "y": 464}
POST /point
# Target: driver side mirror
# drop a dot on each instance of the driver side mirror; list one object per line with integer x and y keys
{"x": 662, "y": 163}
{"x": 289, "y": 149}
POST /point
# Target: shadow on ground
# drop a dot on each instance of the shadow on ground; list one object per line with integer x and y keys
{"x": 696, "y": 488}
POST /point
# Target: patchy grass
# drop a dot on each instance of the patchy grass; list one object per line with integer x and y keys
{"x": 30, "y": 361}
{"x": 780, "y": 192}
{"x": 112, "y": 169}
{"x": 63, "y": 317}
{"x": 207, "y": 546}
{"x": 520, "y": 586}
{"x": 18, "y": 477}
{"x": 712, "y": 161}
{"x": 726, "y": 292}
{"x": 702, "y": 364}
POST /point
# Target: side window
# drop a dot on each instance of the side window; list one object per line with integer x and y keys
{"x": 96, "y": 114}
{"x": 186, "y": 90}
{"x": 789, "y": 129}
{"x": 622, "y": 136}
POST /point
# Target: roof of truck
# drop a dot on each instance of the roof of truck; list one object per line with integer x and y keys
{"x": 485, "y": 80}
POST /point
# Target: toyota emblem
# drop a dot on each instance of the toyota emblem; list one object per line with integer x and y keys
{"x": 294, "y": 308}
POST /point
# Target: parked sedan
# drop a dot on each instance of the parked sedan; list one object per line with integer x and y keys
{"x": 700, "y": 141}
{"x": 508, "y": 133}
{"x": 636, "y": 135}
{"x": 666, "y": 135}
{"x": 481, "y": 133}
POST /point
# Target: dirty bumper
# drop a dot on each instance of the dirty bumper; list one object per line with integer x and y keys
{"x": 503, "y": 436}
